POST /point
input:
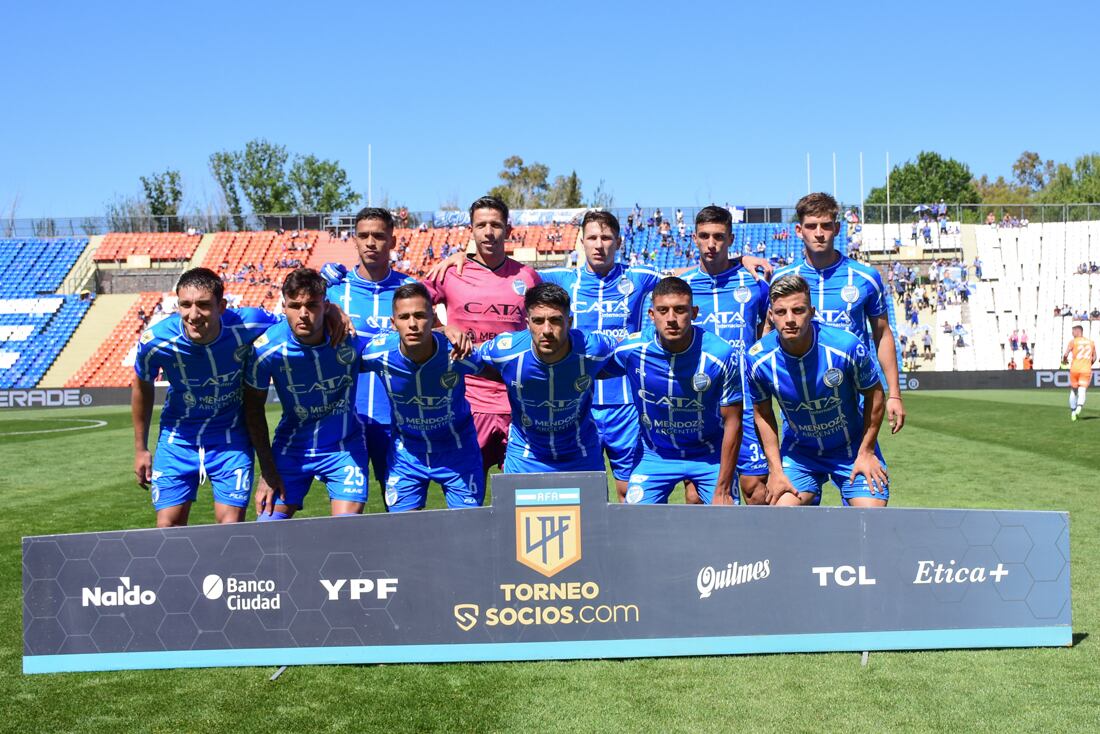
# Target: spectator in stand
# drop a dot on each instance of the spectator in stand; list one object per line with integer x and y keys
{"x": 1027, "y": 363}
{"x": 1012, "y": 363}
{"x": 657, "y": 217}
{"x": 1024, "y": 343}
{"x": 913, "y": 231}
{"x": 991, "y": 219}
{"x": 926, "y": 232}
{"x": 926, "y": 340}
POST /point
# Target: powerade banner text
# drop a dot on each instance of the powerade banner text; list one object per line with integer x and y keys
{"x": 550, "y": 571}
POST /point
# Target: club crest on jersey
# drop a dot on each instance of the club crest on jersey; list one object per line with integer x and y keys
{"x": 849, "y": 293}
{"x": 448, "y": 379}
{"x": 505, "y": 341}
{"x": 345, "y": 354}
{"x": 700, "y": 382}
{"x": 626, "y": 287}
{"x": 833, "y": 377}
{"x": 526, "y": 420}
{"x": 241, "y": 353}
{"x": 741, "y": 294}
{"x": 519, "y": 287}
{"x": 146, "y": 336}
{"x": 582, "y": 383}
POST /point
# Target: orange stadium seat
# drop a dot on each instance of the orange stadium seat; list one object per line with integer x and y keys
{"x": 107, "y": 367}
{"x": 117, "y": 246}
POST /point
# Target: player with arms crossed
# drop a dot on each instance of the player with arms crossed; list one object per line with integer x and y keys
{"x": 686, "y": 384}
{"x": 485, "y": 300}
{"x": 201, "y": 349}
{"x": 845, "y": 293}
{"x": 366, "y": 295}
{"x": 319, "y": 433}
{"x": 424, "y": 376}
{"x": 549, "y": 370}
{"x": 1081, "y": 354}
{"x": 731, "y": 304}
{"x": 817, "y": 373}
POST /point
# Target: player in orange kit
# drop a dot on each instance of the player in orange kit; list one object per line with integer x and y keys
{"x": 1080, "y": 353}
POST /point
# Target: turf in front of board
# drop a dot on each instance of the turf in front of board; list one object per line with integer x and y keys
{"x": 986, "y": 449}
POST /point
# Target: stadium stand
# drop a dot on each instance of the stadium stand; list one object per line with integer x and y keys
{"x": 34, "y": 327}
{"x": 112, "y": 365}
{"x": 254, "y": 264}
{"x": 159, "y": 246}
{"x": 645, "y": 246}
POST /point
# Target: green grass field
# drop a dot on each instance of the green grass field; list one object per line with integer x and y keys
{"x": 987, "y": 449}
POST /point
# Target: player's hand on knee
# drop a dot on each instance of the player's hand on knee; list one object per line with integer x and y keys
{"x": 870, "y": 468}
{"x": 722, "y": 496}
{"x": 777, "y": 486}
{"x": 895, "y": 413}
{"x": 143, "y": 468}
{"x": 461, "y": 343}
{"x": 268, "y": 494}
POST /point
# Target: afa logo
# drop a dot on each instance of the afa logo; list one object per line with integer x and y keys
{"x": 519, "y": 287}
{"x": 146, "y": 336}
{"x": 260, "y": 340}
{"x": 504, "y": 341}
{"x": 548, "y": 529}
{"x": 756, "y": 349}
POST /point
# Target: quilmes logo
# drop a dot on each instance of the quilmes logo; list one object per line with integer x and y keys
{"x": 548, "y": 529}
{"x": 709, "y": 579}
{"x": 241, "y": 594}
{"x": 124, "y": 595}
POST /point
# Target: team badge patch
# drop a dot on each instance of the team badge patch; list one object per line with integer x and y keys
{"x": 626, "y": 287}
{"x": 241, "y": 353}
{"x": 448, "y": 379}
{"x": 634, "y": 494}
{"x": 519, "y": 287}
{"x": 861, "y": 351}
{"x": 505, "y": 341}
{"x": 526, "y": 420}
{"x": 756, "y": 348}
{"x": 700, "y": 382}
{"x": 189, "y": 400}
{"x": 833, "y": 377}
{"x": 548, "y": 536}
{"x": 146, "y": 336}
{"x": 741, "y": 294}
{"x": 345, "y": 353}
{"x": 260, "y": 340}
{"x": 849, "y": 293}
{"x": 301, "y": 413}
{"x": 582, "y": 383}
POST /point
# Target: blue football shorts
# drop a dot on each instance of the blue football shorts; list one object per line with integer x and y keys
{"x": 343, "y": 472}
{"x": 178, "y": 470}
{"x": 809, "y": 472}
{"x": 516, "y": 463}
{"x": 618, "y": 429}
{"x": 751, "y": 460}
{"x": 656, "y": 476}
{"x": 459, "y": 473}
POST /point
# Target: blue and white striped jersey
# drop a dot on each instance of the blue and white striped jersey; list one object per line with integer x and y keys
{"x": 614, "y": 304}
{"x": 732, "y": 304}
{"x": 427, "y": 401}
{"x": 203, "y": 406}
{"x": 818, "y": 392}
{"x": 845, "y": 294}
{"x": 316, "y": 386}
{"x": 551, "y": 403}
{"x": 370, "y": 306}
{"x": 679, "y": 396}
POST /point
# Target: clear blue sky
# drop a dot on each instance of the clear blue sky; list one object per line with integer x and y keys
{"x": 671, "y": 103}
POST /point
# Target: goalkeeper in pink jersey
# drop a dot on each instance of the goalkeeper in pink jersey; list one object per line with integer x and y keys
{"x": 485, "y": 300}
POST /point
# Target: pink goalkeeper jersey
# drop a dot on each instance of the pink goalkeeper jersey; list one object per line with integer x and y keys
{"x": 485, "y": 303}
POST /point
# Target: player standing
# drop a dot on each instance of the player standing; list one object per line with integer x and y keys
{"x": 1081, "y": 354}
{"x": 686, "y": 384}
{"x": 731, "y": 305}
{"x": 434, "y": 439}
{"x": 845, "y": 293}
{"x": 319, "y": 433}
{"x": 201, "y": 350}
{"x": 817, "y": 373}
{"x": 485, "y": 300}
{"x": 549, "y": 370}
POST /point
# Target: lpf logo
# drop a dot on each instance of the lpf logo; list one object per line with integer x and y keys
{"x": 548, "y": 529}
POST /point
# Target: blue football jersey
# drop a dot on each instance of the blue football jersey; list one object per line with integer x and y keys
{"x": 680, "y": 396}
{"x": 427, "y": 401}
{"x": 316, "y": 386}
{"x": 370, "y": 306}
{"x": 732, "y": 304}
{"x": 614, "y": 304}
{"x": 845, "y": 295}
{"x": 203, "y": 406}
{"x": 551, "y": 403}
{"x": 818, "y": 392}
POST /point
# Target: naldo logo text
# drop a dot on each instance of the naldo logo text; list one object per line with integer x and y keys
{"x": 241, "y": 594}
{"x": 121, "y": 596}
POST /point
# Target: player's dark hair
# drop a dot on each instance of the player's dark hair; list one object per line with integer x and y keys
{"x": 489, "y": 202}
{"x": 412, "y": 290}
{"x": 204, "y": 279}
{"x": 672, "y": 286}
{"x": 607, "y": 219}
{"x": 714, "y": 215}
{"x": 818, "y": 204}
{"x": 788, "y": 285}
{"x": 304, "y": 280}
{"x": 547, "y": 294}
{"x": 374, "y": 212}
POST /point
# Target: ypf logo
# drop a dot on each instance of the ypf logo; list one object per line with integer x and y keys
{"x": 548, "y": 529}
{"x": 466, "y": 616}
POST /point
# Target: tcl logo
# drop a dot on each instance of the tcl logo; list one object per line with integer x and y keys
{"x": 843, "y": 576}
{"x": 359, "y": 588}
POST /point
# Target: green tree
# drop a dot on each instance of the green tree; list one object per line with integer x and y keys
{"x": 928, "y": 179}
{"x": 261, "y": 175}
{"x": 601, "y": 197}
{"x": 163, "y": 196}
{"x": 320, "y": 186}
{"x": 1076, "y": 184}
{"x": 1032, "y": 172}
{"x": 523, "y": 186}
{"x": 1001, "y": 191}
{"x": 223, "y": 167}
{"x": 565, "y": 193}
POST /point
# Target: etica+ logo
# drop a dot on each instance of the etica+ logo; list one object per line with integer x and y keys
{"x": 548, "y": 529}
{"x": 121, "y": 596}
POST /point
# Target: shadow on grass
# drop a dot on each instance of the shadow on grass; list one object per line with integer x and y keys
{"x": 1078, "y": 638}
